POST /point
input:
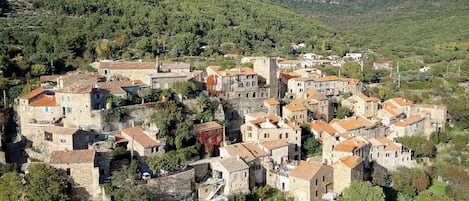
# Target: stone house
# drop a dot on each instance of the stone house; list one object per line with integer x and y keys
{"x": 389, "y": 115}
{"x": 411, "y": 126}
{"x": 37, "y": 110}
{"x": 362, "y": 105}
{"x": 382, "y": 65}
{"x": 81, "y": 166}
{"x": 359, "y": 126}
{"x": 319, "y": 129}
{"x": 327, "y": 85}
{"x": 295, "y": 113}
{"x": 346, "y": 170}
{"x": 310, "y": 181}
{"x": 234, "y": 175}
{"x": 209, "y": 133}
{"x": 60, "y": 138}
{"x": 438, "y": 116}
{"x": 166, "y": 80}
{"x": 288, "y": 64}
{"x": 178, "y": 67}
{"x": 133, "y": 70}
{"x": 273, "y": 106}
{"x": 272, "y": 128}
{"x": 356, "y": 146}
{"x": 389, "y": 154}
{"x": 141, "y": 143}
{"x": 235, "y": 83}
{"x": 253, "y": 155}
{"x": 400, "y": 103}
{"x": 317, "y": 104}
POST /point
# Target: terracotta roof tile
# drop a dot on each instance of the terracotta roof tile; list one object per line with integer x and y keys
{"x": 306, "y": 170}
{"x": 350, "y": 124}
{"x": 271, "y": 101}
{"x": 246, "y": 151}
{"x": 73, "y": 156}
{"x": 139, "y": 136}
{"x": 207, "y": 126}
{"x": 351, "y": 161}
{"x": 402, "y": 102}
{"x": 351, "y": 144}
{"x": 44, "y": 101}
{"x": 295, "y": 107}
{"x": 320, "y": 126}
{"x": 275, "y": 144}
{"x": 409, "y": 121}
{"x": 389, "y": 145}
{"x": 237, "y": 71}
{"x": 33, "y": 93}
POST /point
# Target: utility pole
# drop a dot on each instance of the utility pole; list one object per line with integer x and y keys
{"x": 224, "y": 135}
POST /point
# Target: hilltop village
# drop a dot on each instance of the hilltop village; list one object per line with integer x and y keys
{"x": 217, "y": 133}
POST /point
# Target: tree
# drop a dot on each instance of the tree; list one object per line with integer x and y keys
{"x": 410, "y": 181}
{"x": 45, "y": 183}
{"x": 343, "y": 112}
{"x": 38, "y": 69}
{"x": 379, "y": 175}
{"x": 428, "y": 196}
{"x": 183, "y": 87}
{"x": 420, "y": 146}
{"x": 125, "y": 186}
{"x": 352, "y": 70}
{"x": 312, "y": 147}
{"x": 362, "y": 190}
{"x": 104, "y": 49}
{"x": 11, "y": 186}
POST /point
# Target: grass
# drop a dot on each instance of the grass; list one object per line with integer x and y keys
{"x": 438, "y": 188}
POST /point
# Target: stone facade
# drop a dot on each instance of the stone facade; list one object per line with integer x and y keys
{"x": 310, "y": 181}
{"x": 81, "y": 167}
{"x": 327, "y": 85}
{"x": 389, "y": 154}
{"x": 272, "y": 128}
{"x": 362, "y": 105}
{"x": 346, "y": 170}
{"x": 235, "y": 175}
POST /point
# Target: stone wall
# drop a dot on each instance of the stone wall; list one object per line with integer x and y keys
{"x": 179, "y": 185}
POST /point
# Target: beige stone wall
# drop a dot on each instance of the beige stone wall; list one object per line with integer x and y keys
{"x": 391, "y": 160}
{"x": 85, "y": 178}
{"x": 295, "y": 116}
{"x": 342, "y": 177}
{"x": 132, "y": 74}
{"x": 314, "y": 189}
{"x": 34, "y": 119}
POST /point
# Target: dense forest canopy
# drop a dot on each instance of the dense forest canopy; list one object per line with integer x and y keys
{"x": 60, "y": 31}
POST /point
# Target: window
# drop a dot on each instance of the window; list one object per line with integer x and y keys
{"x": 286, "y": 135}
{"x": 323, "y": 179}
{"x": 280, "y": 136}
{"x": 265, "y": 135}
{"x": 245, "y": 174}
{"x": 316, "y": 193}
{"x": 63, "y": 141}
{"x": 68, "y": 98}
{"x": 105, "y": 72}
{"x": 68, "y": 171}
{"x": 316, "y": 183}
{"x": 46, "y": 109}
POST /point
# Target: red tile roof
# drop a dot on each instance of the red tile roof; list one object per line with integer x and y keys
{"x": 127, "y": 65}
{"x": 351, "y": 144}
{"x": 409, "y": 121}
{"x": 320, "y": 126}
{"x": 294, "y": 107}
{"x": 44, "y": 101}
{"x": 351, "y": 161}
{"x": 306, "y": 170}
{"x": 137, "y": 134}
{"x": 33, "y": 93}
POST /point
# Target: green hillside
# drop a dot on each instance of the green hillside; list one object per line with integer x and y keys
{"x": 434, "y": 30}
{"x": 64, "y": 31}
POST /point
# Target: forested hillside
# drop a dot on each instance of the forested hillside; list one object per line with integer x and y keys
{"x": 435, "y": 30}
{"x": 66, "y": 32}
